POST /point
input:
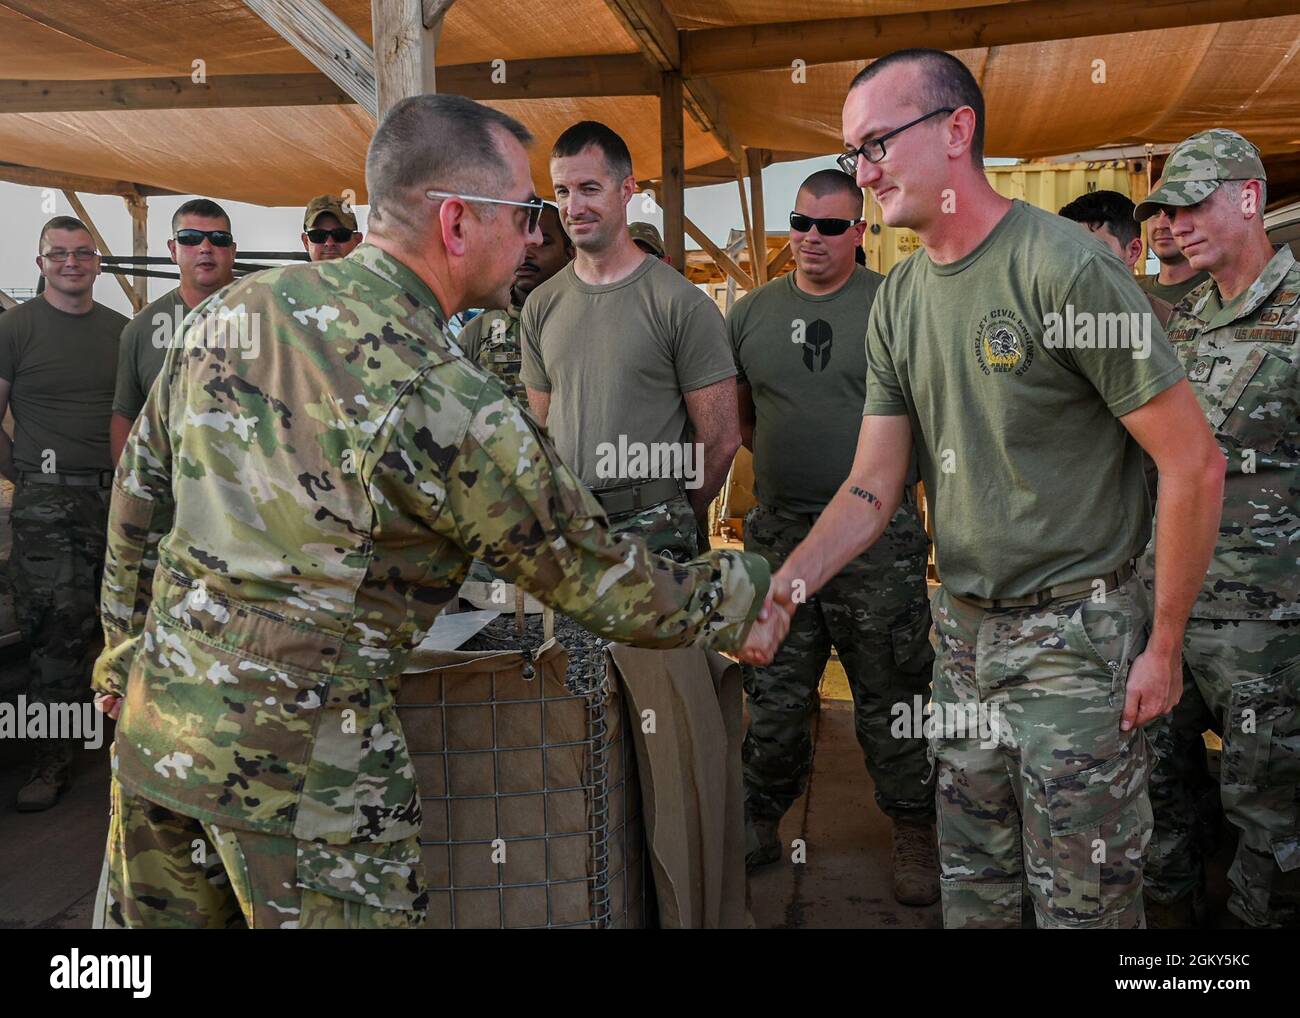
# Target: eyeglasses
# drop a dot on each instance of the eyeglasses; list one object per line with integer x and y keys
{"x": 826, "y": 227}
{"x": 192, "y": 238}
{"x": 873, "y": 149}
{"x": 81, "y": 254}
{"x": 534, "y": 205}
{"x": 341, "y": 235}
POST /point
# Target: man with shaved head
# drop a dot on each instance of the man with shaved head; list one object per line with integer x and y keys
{"x": 801, "y": 373}
{"x": 981, "y": 350}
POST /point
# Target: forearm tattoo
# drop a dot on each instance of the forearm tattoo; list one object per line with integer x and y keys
{"x": 863, "y": 493}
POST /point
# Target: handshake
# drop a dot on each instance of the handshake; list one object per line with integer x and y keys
{"x": 773, "y": 622}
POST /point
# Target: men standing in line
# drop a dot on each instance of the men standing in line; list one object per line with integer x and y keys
{"x": 625, "y": 361}
{"x": 329, "y": 229}
{"x": 1176, "y": 276}
{"x": 1238, "y": 336}
{"x": 1108, "y": 216}
{"x": 203, "y": 249}
{"x": 58, "y": 352}
{"x": 318, "y": 505}
{"x": 492, "y": 339}
{"x": 1030, "y": 447}
{"x": 801, "y": 378}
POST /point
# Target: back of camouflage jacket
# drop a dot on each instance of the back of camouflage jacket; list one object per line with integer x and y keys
{"x": 302, "y": 494}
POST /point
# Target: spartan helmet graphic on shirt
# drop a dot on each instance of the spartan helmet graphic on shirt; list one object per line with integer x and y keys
{"x": 817, "y": 345}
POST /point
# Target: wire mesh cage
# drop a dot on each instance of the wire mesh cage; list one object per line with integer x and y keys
{"x": 529, "y": 790}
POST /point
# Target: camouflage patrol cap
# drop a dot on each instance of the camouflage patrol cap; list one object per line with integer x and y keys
{"x": 645, "y": 233}
{"x": 1197, "y": 166}
{"x": 328, "y": 203}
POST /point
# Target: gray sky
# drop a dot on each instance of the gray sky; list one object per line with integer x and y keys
{"x": 24, "y": 209}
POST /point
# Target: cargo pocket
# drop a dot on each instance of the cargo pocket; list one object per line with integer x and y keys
{"x": 1259, "y": 406}
{"x": 1261, "y": 713}
{"x": 1098, "y": 819}
{"x": 344, "y": 889}
{"x": 913, "y": 651}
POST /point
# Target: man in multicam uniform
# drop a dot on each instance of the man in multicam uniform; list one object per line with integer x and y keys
{"x": 492, "y": 339}
{"x": 1044, "y": 668}
{"x": 1237, "y": 334}
{"x": 290, "y": 515}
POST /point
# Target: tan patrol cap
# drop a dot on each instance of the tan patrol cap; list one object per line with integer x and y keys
{"x": 646, "y": 234}
{"x": 324, "y": 203}
{"x": 1197, "y": 166}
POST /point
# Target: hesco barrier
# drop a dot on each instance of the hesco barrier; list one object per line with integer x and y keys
{"x": 528, "y": 785}
{"x": 1047, "y": 185}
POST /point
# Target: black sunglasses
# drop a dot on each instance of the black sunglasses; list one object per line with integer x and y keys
{"x": 341, "y": 235}
{"x": 826, "y": 227}
{"x": 873, "y": 150}
{"x": 193, "y": 238}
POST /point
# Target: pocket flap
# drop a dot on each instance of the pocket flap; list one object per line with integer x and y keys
{"x": 1087, "y": 799}
{"x": 365, "y": 879}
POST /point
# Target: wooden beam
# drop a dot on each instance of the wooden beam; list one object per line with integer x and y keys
{"x": 235, "y": 91}
{"x": 779, "y": 261}
{"x": 758, "y": 242}
{"x": 672, "y": 182}
{"x": 831, "y": 40}
{"x": 744, "y": 206}
{"x": 84, "y": 216}
{"x": 325, "y": 39}
{"x": 34, "y": 176}
{"x": 651, "y": 26}
{"x": 720, "y": 258}
{"x": 7, "y": 302}
{"x": 405, "y": 49}
{"x": 137, "y": 206}
{"x": 547, "y": 78}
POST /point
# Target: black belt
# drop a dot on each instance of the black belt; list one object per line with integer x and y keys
{"x": 100, "y": 479}
{"x": 626, "y": 498}
{"x": 1111, "y": 580}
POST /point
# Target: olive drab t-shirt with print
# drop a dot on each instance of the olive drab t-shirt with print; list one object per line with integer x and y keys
{"x": 996, "y": 358}
{"x": 61, "y": 368}
{"x": 616, "y": 359}
{"x": 804, "y": 358}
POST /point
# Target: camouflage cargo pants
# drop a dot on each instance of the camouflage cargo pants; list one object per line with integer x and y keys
{"x": 669, "y": 528}
{"x": 169, "y": 871}
{"x": 1245, "y": 683}
{"x": 1048, "y": 796}
{"x": 876, "y": 615}
{"x": 55, "y": 564}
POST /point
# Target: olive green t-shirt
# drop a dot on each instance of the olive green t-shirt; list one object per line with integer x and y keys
{"x": 616, "y": 359}
{"x": 804, "y": 358}
{"x": 60, "y": 369}
{"x": 141, "y": 351}
{"x": 1032, "y": 479}
{"x": 1171, "y": 293}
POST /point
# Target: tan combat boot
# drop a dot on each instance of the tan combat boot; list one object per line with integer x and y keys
{"x": 762, "y": 844}
{"x": 915, "y": 862}
{"x": 43, "y": 788}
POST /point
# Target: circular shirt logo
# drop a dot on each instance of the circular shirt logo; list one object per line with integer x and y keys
{"x": 1003, "y": 344}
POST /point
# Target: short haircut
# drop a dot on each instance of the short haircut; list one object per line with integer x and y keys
{"x": 1105, "y": 208}
{"x": 204, "y": 207}
{"x": 435, "y": 142}
{"x": 61, "y": 223}
{"x": 945, "y": 81}
{"x": 592, "y": 133}
{"x": 825, "y": 182}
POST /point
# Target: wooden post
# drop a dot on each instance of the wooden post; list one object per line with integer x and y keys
{"x": 406, "y": 36}
{"x": 672, "y": 196}
{"x": 758, "y": 242}
{"x": 138, "y": 207}
{"x": 84, "y": 216}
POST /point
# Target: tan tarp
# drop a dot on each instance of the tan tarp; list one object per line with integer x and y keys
{"x": 1042, "y": 97}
